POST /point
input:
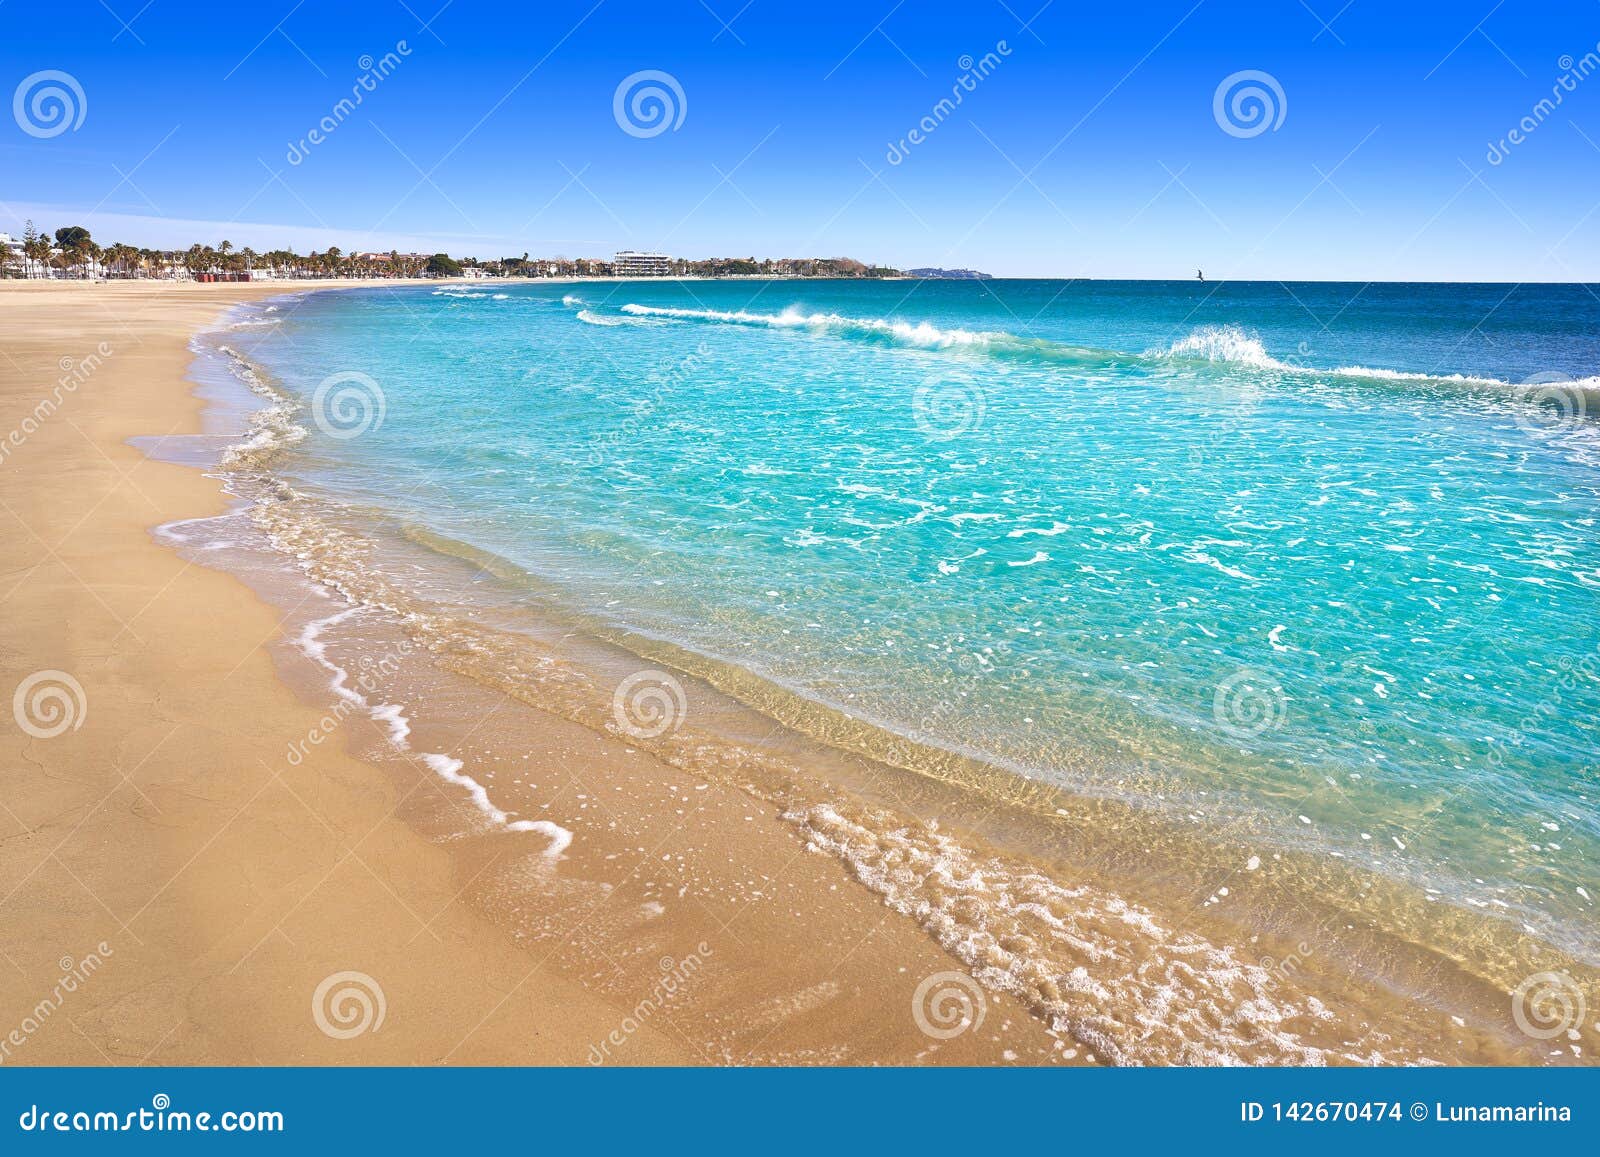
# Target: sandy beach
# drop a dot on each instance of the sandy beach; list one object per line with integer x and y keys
{"x": 175, "y": 891}
{"x": 271, "y": 801}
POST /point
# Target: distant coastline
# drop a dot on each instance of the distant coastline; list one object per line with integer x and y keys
{"x": 71, "y": 253}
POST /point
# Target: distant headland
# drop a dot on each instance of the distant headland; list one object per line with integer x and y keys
{"x": 931, "y": 273}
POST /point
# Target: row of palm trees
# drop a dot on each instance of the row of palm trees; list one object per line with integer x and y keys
{"x": 279, "y": 263}
{"x": 71, "y": 252}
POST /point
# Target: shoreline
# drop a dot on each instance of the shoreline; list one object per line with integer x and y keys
{"x": 759, "y": 818}
{"x": 223, "y": 889}
{"x": 1081, "y": 839}
{"x": 229, "y": 885}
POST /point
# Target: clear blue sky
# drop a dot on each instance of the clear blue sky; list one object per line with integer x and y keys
{"x": 1090, "y": 149}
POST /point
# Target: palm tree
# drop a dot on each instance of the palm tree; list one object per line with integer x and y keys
{"x": 36, "y": 248}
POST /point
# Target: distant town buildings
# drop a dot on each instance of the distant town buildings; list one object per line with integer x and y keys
{"x": 629, "y": 263}
{"x": 70, "y": 253}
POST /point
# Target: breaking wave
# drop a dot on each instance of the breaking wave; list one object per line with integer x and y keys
{"x": 1222, "y": 345}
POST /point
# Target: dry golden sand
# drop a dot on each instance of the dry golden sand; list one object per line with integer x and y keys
{"x": 227, "y": 884}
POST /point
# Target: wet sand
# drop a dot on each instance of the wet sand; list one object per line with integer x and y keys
{"x": 174, "y": 890}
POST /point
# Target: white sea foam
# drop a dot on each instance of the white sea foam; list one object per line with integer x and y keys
{"x": 593, "y": 318}
{"x": 448, "y": 768}
{"x": 1050, "y": 531}
{"x": 1224, "y": 343}
{"x": 1229, "y": 345}
{"x": 922, "y": 333}
{"x": 392, "y": 715}
{"x": 1104, "y": 970}
{"x": 1233, "y": 345}
{"x": 573, "y": 299}
{"x": 271, "y": 426}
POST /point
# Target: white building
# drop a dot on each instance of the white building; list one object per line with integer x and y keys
{"x": 629, "y": 263}
{"x": 13, "y": 247}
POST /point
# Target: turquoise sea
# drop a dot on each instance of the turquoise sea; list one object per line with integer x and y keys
{"x": 1320, "y": 559}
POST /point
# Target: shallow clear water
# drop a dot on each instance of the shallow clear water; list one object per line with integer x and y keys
{"x": 1308, "y": 558}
